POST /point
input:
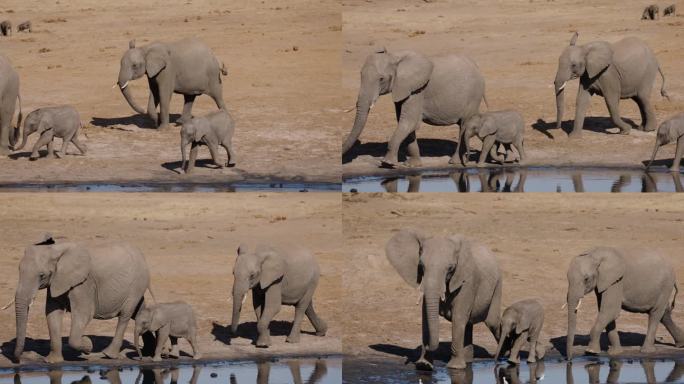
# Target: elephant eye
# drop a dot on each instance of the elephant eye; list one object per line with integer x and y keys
{"x": 42, "y": 276}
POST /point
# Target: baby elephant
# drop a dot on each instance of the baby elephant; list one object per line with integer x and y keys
{"x": 671, "y": 10}
{"x": 651, "y": 12}
{"x": 671, "y": 130}
{"x": 505, "y": 127}
{"x": 50, "y": 122}
{"x": 212, "y": 130}
{"x": 24, "y": 27}
{"x": 167, "y": 320}
{"x": 522, "y": 322}
{"x": 6, "y": 28}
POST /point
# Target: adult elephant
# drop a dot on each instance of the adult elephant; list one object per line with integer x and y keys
{"x": 458, "y": 279}
{"x": 637, "y": 281}
{"x": 9, "y": 95}
{"x": 439, "y": 91}
{"x": 622, "y": 70}
{"x": 101, "y": 281}
{"x": 186, "y": 67}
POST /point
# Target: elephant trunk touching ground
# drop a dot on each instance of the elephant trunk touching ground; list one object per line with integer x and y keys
{"x": 364, "y": 103}
{"x": 239, "y": 295}
{"x": 432, "y": 317}
{"x": 123, "y": 86}
{"x": 505, "y": 331}
{"x": 573, "y": 307}
{"x": 24, "y": 139}
{"x": 661, "y": 139}
{"x": 136, "y": 339}
{"x": 22, "y": 301}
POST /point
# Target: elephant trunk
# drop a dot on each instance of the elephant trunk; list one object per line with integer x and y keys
{"x": 572, "y": 325}
{"x": 655, "y": 151}
{"x": 363, "y": 107}
{"x": 505, "y": 331}
{"x": 136, "y": 339}
{"x": 123, "y": 86}
{"x": 432, "y": 317}
{"x": 184, "y": 145}
{"x": 22, "y": 301}
{"x": 24, "y": 139}
{"x": 238, "y": 297}
{"x": 562, "y": 78}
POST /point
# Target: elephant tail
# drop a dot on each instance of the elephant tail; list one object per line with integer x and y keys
{"x": 674, "y": 296}
{"x": 663, "y": 92}
{"x": 484, "y": 98}
{"x": 154, "y": 299}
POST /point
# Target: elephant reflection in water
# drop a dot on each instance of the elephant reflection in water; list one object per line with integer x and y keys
{"x": 594, "y": 372}
{"x": 264, "y": 371}
{"x": 510, "y": 374}
{"x": 158, "y": 375}
{"x": 392, "y": 184}
{"x": 491, "y": 180}
{"x": 649, "y": 182}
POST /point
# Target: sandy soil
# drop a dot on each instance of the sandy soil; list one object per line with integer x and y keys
{"x": 516, "y": 44}
{"x": 189, "y": 241}
{"x": 534, "y": 237}
{"x": 282, "y": 86}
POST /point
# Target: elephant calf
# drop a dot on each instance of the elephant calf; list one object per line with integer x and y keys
{"x": 505, "y": 127}
{"x": 50, "y": 122}
{"x": 168, "y": 320}
{"x": 651, "y": 12}
{"x": 6, "y": 28}
{"x": 671, "y": 130}
{"x": 521, "y": 322}
{"x": 212, "y": 130}
{"x": 671, "y": 10}
{"x": 24, "y": 27}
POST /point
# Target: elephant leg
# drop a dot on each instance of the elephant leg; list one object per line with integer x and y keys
{"x": 50, "y": 149}
{"x": 65, "y": 143}
{"x": 79, "y": 321}
{"x": 113, "y": 351}
{"x": 272, "y": 304}
{"x": 192, "y": 340}
{"x": 533, "y": 343}
{"x": 494, "y": 314}
{"x": 257, "y": 302}
{"x": 610, "y": 304}
{"x": 162, "y": 338}
{"x": 43, "y": 140}
{"x": 5, "y": 128}
{"x": 193, "y": 157}
{"x": 174, "y": 347}
{"x": 654, "y": 318}
{"x": 514, "y": 358}
{"x": 409, "y": 119}
{"x": 674, "y": 330}
{"x": 80, "y": 146}
{"x": 216, "y": 93}
{"x": 518, "y": 144}
{"x": 468, "y": 348}
{"x": 228, "y": 146}
{"x": 152, "y": 103}
{"x": 615, "y": 347}
{"x": 187, "y": 109}
{"x": 213, "y": 150}
{"x": 613, "y": 104}
{"x": 487, "y": 145}
{"x": 581, "y": 104}
{"x": 53, "y": 314}
{"x": 300, "y": 308}
{"x": 413, "y": 150}
{"x": 165, "y": 93}
{"x": 678, "y": 155}
{"x": 460, "y": 316}
{"x": 318, "y": 323}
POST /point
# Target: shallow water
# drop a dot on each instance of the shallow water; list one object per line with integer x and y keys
{"x": 319, "y": 371}
{"x": 531, "y": 179}
{"x": 595, "y": 370}
{"x": 168, "y": 187}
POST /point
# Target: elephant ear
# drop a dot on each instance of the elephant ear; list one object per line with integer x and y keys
{"x": 156, "y": 59}
{"x": 463, "y": 262}
{"x": 611, "y": 269}
{"x": 523, "y": 324}
{"x": 413, "y": 72}
{"x": 73, "y": 267}
{"x": 599, "y": 56}
{"x": 487, "y": 126}
{"x": 201, "y": 128}
{"x": 403, "y": 252}
{"x": 673, "y": 132}
{"x": 158, "y": 319}
{"x": 272, "y": 269}
{"x": 573, "y": 39}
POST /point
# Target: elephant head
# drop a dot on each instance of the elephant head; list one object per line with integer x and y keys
{"x": 512, "y": 324}
{"x": 597, "y": 269}
{"x": 36, "y": 121}
{"x": 437, "y": 266}
{"x": 402, "y": 74}
{"x": 147, "y": 320}
{"x": 588, "y": 60}
{"x": 263, "y": 267}
{"x": 58, "y": 267}
{"x": 193, "y": 131}
{"x": 136, "y": 62}
{"x": 668, "y": 132}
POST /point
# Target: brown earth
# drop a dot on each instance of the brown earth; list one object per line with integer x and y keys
{"x": 516, "y": 44}
{"x": 282, "y": 86}
{"x": 534, "y": 237}
{"x": 189, "y": 241}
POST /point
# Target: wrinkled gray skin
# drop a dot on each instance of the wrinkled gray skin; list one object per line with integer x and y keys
{"x": 438, "y": 91}
{"x": 671, "y": 10}
{"x": 168, "y": 320}
{"x": 276, "y": 274}
{"x": 9, "y": 96}
{"x": 24, "y": 27}
{"x": 90, "y": 280}
{"x": 187, "y": 67}
{"x": 521, "y": 322}
{"x": 62, "y": 121}
{"x": 671, "y": 130}
{"x": 493, "y": 128}
{"x": 457, "y": 279}
{"x": 622, "y": 70}
{"x": 212, "y": 130}
{"x": 6, "y": 28}
{"x": 652, "y": 12}
{"x": 638, "y": 281}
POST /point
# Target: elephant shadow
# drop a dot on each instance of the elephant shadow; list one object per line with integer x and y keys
{"x": 594, "y": 124}
{"x": 428, "y": 148}
{"x": 42, "y": 347}
{"x": 627, "y": 339}
{"x": 139, "y": 120}
{"x": 248, "y": 330}
{"x": 443, "y": 352}
{"x": 175, "y": 166}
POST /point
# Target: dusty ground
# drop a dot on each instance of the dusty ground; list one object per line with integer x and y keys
{"x": 516, "y": 44}
{"x": 282, "y": 87}
{"x": 534, "y": 237}
{"x": 189, "y": 241}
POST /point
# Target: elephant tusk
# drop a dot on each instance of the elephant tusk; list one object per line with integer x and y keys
{"x": 7, "y": 306}
{"x": 564, "y": 305}
{"x": 124, "y": 86}
{"x": 115, "y": 85}
{"x": 579, "y": 303}
{"x": 371, "y": 107}
{"x": 420, "y": 294}
{"x": 348, "y": 110}
{"x": 562, "y": 86}
{"x": 244, "y": 297}
{"x": 230, "y": 299}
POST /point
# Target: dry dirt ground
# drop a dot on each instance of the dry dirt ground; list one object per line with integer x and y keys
{"x": 190, "y": 242}
{"x": 282, "y": 88}
{"x": 534, "y": 237}
{"x": 516, "y": 44}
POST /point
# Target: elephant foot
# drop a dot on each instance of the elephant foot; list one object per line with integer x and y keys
{"x": 424, "y": 364}
{"x": 674, "y": 169}
{"x": 647, "y": 349}
{"x": 164, "y": 127}
{"x": 626, "y": 131}
{"x": 413, "y": 162}
{"x": 4, "y": 151}
{"x": 456, "y": 161}
{"x": 157, "y": 358}
{"x": 531, "y": 360}
{"x": 197, "y": 356}
{"x": 293, "y": 338}
{"x": 469, "y": 354}
{"x": 592, "y": 350}
{"x": 112, "y": 354}
{"x": 385, "y": 163}
{"x": 614, "y": 350}
{"x": 86, "y": 345}
{"x": 33, "y": 158}
{"x": 456, "y": 363}
{"x": 514, "y": 360}
{"x": 264, "y": 341}
{"x": 679, "y": 344}
{"x": 575, "y": 135}
{"x": 54, "y": 357}
{"x": 230, "y": 164}
{"x": 481, "y": 165}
